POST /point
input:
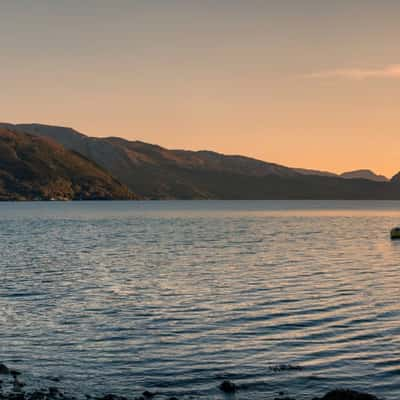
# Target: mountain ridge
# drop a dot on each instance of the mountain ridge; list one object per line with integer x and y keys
{"x": 155, "y": 172}
{"x": 38, "y": 168}
{"x": 364, "y": 174}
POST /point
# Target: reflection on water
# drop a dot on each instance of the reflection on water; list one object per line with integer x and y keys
{"x": 175, "y": 296}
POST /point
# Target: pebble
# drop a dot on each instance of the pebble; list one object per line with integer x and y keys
{"x": 228, "y": 387}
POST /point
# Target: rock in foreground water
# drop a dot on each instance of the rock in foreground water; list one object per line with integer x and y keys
{"x": 14, "y": 389}
{"x": 345, "y": 394}
{"x": 228, "y": 387}
{"x": 4, "y": 370}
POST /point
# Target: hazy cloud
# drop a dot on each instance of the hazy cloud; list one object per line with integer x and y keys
{"x": 388, "y": 72}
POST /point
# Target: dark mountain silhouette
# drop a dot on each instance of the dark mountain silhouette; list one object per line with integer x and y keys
{"x": 396, "y": 178}
{"x": 33, "y": 167}
{"x": 155, "y": 172}
{"x": 364, "y": 174}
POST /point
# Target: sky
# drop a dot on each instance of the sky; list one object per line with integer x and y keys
{"x": 303, "y": 83}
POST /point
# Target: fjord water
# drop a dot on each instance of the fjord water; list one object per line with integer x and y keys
{"x": 176, "y": 296}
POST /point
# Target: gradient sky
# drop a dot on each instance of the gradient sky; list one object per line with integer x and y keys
{"x": 305, "y": 83}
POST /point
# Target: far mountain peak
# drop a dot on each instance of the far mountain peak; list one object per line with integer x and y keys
{"x": 364, "y": 174}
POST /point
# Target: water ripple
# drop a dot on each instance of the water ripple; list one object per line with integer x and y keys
{"x": 132, "y": 296}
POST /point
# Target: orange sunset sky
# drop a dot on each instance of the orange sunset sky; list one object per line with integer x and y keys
{"x": 304, "y": 83}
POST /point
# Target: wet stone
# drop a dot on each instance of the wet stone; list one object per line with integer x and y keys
{"x": 345, "y": 394}
{"x": 4, "y": 370}
{"x": 112, "y": 397}
{"x": 148, "y": 395}
{"x": 228, "y": 387}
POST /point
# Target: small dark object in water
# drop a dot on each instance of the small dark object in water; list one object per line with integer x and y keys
{"x": 54, "y": 392}
{"x": 148, "y": 395}
{"x": 286, "y": 367}
{"x": 4, "y": 370}
{"x": 395, "y": 233}
{"x": 346, "y": 394}
{"x": 228, "y": 387}
{"x": 112, "y": 397}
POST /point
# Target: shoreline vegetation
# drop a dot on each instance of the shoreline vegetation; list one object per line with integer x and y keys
{"x": 12, "y": 387}
{"x": 36, "y": 168}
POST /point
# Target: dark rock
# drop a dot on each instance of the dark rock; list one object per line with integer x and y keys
{"x": 38, "y": 395}
{"x": 112, "y": 397}
{"x": 53, "y": 392}
{"x": 148, "y": 395}
{"x": 345, "y": 394}
{"x": 4, "y": 370}
{"x": 228, "y": 387}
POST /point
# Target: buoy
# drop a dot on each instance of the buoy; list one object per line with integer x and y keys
{"x": 395, "y": 233}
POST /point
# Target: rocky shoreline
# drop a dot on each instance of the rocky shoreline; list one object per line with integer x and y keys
{"x": 12, "y": 387}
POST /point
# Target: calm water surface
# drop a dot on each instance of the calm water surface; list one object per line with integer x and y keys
{"x": 175, "y": 296}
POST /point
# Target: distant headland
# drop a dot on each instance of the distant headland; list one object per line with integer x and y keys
{"x": 42, "y": 162}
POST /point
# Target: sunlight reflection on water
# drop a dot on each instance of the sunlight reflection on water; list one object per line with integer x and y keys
{"x": 175, "y": 296}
